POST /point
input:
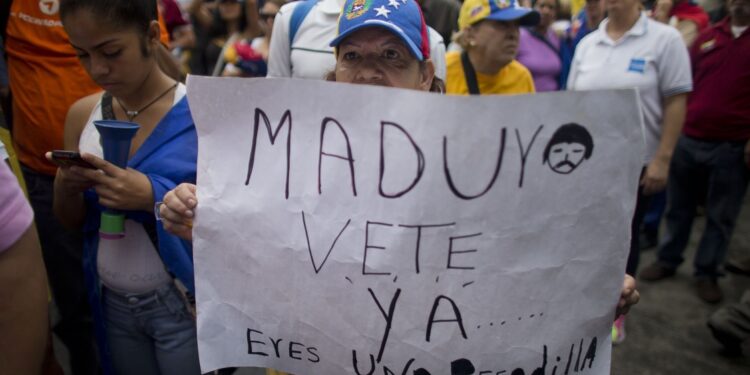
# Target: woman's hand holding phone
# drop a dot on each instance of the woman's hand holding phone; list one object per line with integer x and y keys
{"x": 118, "y": 188}
{"x": 68, "y": 178}
{"x": 123, "y": 189}
{"x": 65, "y": 158}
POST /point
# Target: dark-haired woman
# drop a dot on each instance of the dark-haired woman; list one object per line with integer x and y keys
{"x": 222, "y": 23}
{"x": 539, "y": 48}
{"x": 144, "y": 324}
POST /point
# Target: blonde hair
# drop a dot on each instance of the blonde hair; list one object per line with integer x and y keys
{"x": 461, "y": 38}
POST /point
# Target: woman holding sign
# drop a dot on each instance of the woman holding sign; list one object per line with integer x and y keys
{"x": 143, "y": 324}
{"x": 539, "y": 47}
{"x": 393, "y": 53}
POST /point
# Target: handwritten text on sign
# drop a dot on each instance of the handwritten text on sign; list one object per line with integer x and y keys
{"x": 360, "y": 230}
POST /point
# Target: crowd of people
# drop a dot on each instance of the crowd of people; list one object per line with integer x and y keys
{"x": 126, "y": 306}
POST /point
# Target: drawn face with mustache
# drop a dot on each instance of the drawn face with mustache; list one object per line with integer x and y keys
{"x": 569, "y": 146}
{"x": 565, "y": 157}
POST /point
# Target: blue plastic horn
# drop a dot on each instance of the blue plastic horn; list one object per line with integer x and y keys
{"x": 115, "y": 138}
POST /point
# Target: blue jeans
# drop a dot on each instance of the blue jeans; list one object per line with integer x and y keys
{"x": 151, "y": 333}
{"x": 710, "y": 171}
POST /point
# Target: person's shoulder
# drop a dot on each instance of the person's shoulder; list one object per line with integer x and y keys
{"x": 286, "y": 10}
{"x": 662, "y": 31}
{"x": 80, "y": 111}
{"x": 706, "y": 39}
{"x": 452, "y": 58}
{"x": 289, "y": 7}
{"x": 717, "y": 28}
{"x": 590, "y": 39}
{"x": 85, "y": 105}
{"x": 515, "y": 72}
{"x": 517, "y": 69}
{"x": 435, "y": 37}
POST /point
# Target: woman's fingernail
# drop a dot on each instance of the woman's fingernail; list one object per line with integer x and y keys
{"x": 189, "y": 213}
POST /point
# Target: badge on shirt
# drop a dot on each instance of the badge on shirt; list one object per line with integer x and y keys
{"x": 708, "y": 45}
{"x": 637, "y": 65}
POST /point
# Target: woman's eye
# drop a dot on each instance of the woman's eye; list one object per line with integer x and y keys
{"x": 111, "y": 54}
{"x": 391, "y": 54}
{"x": 349, "y": 56}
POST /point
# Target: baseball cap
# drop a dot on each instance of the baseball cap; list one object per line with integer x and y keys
{"x": 473, "y": 11}
{"x": 401, "y": 17}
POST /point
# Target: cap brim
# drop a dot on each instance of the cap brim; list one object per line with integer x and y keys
{"x": 528, "y": 17}
{"x": 386, "y": 25}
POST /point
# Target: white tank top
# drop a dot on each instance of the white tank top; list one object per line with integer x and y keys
{"x": 130, "y": 264}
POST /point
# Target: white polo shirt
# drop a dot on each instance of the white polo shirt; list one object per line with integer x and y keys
{"x": 650, "y": 56}
{"x": 311, "y": 55}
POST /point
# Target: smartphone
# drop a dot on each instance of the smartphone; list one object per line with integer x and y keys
{"x": 66, "y": 158}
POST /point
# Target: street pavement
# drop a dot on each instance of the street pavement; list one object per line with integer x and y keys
{"x": 667, "y": 332}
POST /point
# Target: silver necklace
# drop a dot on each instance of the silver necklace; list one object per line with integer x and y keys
{"x": 133, "y": 114}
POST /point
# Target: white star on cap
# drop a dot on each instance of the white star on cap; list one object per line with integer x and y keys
{"x": 382, "y": 11}
{"x": 394, "y": 3}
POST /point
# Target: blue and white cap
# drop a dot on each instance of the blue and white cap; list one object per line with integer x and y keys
{"x": 401, "y": 17}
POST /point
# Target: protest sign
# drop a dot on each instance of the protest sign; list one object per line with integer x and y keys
{"x": 347, "y": 229}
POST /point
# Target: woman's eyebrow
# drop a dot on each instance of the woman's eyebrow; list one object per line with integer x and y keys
{"x": 349, "y": 42}
{"x": 100, "y": 45}
{"x": 394, "y": 40}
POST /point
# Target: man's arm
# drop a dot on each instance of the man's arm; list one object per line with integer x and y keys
{"x": 655, "y": 178}
{"x": 23, "y": 306}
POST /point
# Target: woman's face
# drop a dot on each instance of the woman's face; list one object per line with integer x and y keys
{"x": 496, "y": 40}
{"x": 267, "y": 15}
{"x": 375, "y": 56}
{"x": 117, "y": 60}
{"x": 548, "y": 11}
{"x": 230, "y": 10}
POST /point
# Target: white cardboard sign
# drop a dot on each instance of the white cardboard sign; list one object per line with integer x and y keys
{"x": 347, "y": 229}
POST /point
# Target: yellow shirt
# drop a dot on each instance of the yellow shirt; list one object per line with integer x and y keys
{"x": 514, "y": 78}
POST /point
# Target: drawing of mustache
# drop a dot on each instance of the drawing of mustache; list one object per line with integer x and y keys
{"x": 565, "y": 162}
